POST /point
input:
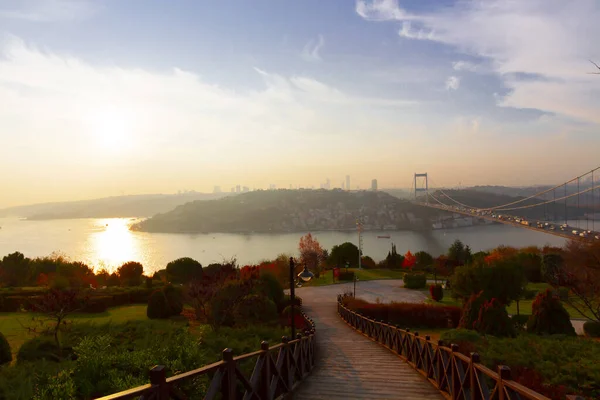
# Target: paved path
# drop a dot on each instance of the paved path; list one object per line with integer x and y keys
{"x": 350, "y": 366}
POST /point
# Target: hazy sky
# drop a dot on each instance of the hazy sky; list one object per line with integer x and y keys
{"x": 100, "y": 98}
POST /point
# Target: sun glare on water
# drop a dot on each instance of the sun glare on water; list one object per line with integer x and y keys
{"x": 114, "y": 243}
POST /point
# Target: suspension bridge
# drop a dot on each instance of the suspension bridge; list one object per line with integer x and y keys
{"x": 568, "y": 210}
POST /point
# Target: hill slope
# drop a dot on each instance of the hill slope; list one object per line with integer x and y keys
{"x": 292, "y": 211}
{"x": 108, "y": 207}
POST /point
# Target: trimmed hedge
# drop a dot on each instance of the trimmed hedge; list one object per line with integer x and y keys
{"x": 165, "y": 303}
{"x": 99, "y": 300}
{"x": 548, "y": 316}
{"x": 436, "y": 292}
{"x": 407, "y": 315}
{"x": 346, "y": 276}
{"x": 5, "y": 352}
{"x": 592, "y": 329}
{"x": 414, "y": 281}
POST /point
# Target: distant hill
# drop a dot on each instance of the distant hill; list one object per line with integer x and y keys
{"x": 109, "y": 207}
{"x": 478, "y": 198}
{"x": 292, "y": 211}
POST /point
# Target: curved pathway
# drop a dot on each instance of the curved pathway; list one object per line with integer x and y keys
{"x": 350, "y": 366}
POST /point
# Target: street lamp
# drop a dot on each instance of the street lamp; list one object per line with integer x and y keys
{"x": 304, "y": 276}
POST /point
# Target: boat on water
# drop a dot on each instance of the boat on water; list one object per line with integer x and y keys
{"x": 383, "y": 236}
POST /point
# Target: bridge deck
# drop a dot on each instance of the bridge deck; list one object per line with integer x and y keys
{"x": 350, "y": 366}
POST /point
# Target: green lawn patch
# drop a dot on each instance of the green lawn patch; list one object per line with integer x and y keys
{"x": 14, "y": 325}
{"x": 362, "y": 274}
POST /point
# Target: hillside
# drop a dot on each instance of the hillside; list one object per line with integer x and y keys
{"x": 486, "y": 199}
{"x": 292, "y": 211}
{"x": 108, "y": 207}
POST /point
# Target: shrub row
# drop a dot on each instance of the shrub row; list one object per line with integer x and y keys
{"x": 407, "y": 315}
{"x": 346, "y": 276}
{"x": 414, "y": 281}
{"x": 98, "y": 301}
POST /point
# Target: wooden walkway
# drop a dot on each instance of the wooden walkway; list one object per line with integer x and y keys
{"x": 350, "y": 366}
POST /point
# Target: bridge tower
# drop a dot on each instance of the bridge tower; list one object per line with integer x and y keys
{"x": 421, "y": 185}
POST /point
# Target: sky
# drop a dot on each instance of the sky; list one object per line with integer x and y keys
{"x": 104, "y": 98}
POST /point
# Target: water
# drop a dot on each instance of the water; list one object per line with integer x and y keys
{"x": 109, "y": 242}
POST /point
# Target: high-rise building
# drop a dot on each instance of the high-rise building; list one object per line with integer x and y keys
{"x": 374, "y": 185}
{"x": 347, "y": 182}
{"x": 328, "y": 184}
{"x": 245, "y": 189}
{"x": 217, "y": 189}
{"x": 238, "y": 188}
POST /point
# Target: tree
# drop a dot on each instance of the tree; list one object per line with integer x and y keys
{"x": 393, "y": 259}
{"x": 342, "y": 254}
{"x": 199, "y": 293}
{"x": 184, "y": 270}
{"x": 311, "y": 253}
{"x": 423, "y": 260}
{"x": 459, "y": 253}
{"x": 503, "y": 280}
{"x": 409, "y": 260}
{"x": 548, "y": 316}
{"x": 56, "y": 305}
{"x": 130, "y": 273}
{"x": 580, "y": 274}
{"x": 14, "y": 269}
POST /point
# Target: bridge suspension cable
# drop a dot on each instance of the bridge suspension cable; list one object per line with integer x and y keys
{"x": 502, "y": 207}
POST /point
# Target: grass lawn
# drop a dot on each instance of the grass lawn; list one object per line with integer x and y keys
{"x": 362, "y": 275}
{"x": 14, "y": 325}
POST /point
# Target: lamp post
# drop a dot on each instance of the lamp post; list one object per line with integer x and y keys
{"x": 305, "y": 276}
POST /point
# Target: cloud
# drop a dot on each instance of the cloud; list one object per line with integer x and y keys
{"x": 312, "y": 48}
{"x": 410, "y": 33}
{"x": 380, "y": 10}
{"x": 548, "y": 38}
{"x": 452, "y": 83}
{"x": 81, "y": 110}
{"x": 47, "y": 10}
{"x": 465, "y": 66}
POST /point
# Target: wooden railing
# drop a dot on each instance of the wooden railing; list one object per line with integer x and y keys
{"x": 277, "y": 371}
{"x": 455, "y": 375}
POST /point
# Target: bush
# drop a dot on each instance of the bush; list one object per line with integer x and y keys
{"x": 270, "y": 286}
{"x": 346, "y": 275}
{"x": 96, "y": 305}
{"x": 40, "y": 348}
{"x": 407, "y": 315}
{"x": 414, "y": 281}
{"x": 460, "y": 335}
{"x": 5, "y": 352}
{"x": 548, "y": 316}
{"x": 467, "y": 340}
{"x": 12, "y": 303}
{"x": 254, "y": 309}
{"x": 184, "y": 270}
{"x": 470, "y": 311}
{"x": 494, "y": 320}
{"x": 436, "y": 292}
{"x": 519, "y": 322}
{"x": 223, "y": 302}
{"x": 165, "y": 303}
{"x": 592, "y": 329}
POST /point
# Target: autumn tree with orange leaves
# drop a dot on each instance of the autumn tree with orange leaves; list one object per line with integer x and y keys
{"x": 311, "y": 253}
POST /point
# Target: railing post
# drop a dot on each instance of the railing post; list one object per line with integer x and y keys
{"x": 504, "y": 375}
{"x": 300, "y": 360}
{"x": 285, "y": 368}
{"x": 472, "y": 374}
{"x": 228, "y": 383}
{"x": 455, "y": 377}
{"x": 265, "y": 386}
{"x": 158, "y": 377}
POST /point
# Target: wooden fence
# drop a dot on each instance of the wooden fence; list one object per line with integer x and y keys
{"x": 455, "y": 375}
{"x": 277, "y": 371}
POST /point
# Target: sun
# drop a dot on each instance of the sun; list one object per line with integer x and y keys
{"x": 111, "y": 128}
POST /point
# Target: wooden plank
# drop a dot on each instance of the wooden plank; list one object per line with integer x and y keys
{"x": 350, "y": 366}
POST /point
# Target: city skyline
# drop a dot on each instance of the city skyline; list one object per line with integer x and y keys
{"x": 288, "y": 92}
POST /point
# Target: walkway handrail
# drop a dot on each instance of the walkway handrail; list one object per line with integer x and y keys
{"x": 455, "y": 375}
{"x": 277, "y": 371}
